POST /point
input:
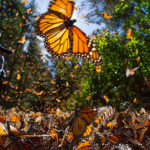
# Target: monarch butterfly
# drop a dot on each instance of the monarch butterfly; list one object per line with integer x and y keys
{"x": 130, "y": 72}
{"x": 84, "y": 146}
{"x": 62, "y": 38}
{"x": 80, "y": 121}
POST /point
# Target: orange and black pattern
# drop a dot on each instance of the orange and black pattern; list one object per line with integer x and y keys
{"x": 110, "y": 130}
{"x": 81, "y": 120}
{"x": 62, "y": 38}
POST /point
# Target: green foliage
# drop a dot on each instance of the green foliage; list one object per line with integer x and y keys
{"x": 27, "y": 79}
{"x": 116, "y": 47}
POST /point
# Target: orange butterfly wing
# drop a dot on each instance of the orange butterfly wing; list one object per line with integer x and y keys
{"x": 64, "y": 7}
{"x": 62, "y": 39}
{"x": 51, "y": 26}
{"x": 84, "y": 146}
{"x": 82, "y": 118}
{"x": 88, "y": 114}
{"x": 83, "y": 47}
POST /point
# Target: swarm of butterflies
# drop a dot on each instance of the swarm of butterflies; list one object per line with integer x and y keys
{"x": 83, "y": 129}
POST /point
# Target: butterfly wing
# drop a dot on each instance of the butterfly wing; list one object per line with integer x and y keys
{"x": 84, "y": 146}
{"x": 82, "y": 118}
{"x": 51, "y": 26}
{"x": 88, "y": 115}
{"x": 64, "y": 7}
{"x": 134, "y": 69}
{"x": 78, "y": 127}
{"x": 83, "y": 47}
{"x": 59, "y": 39}
{"x": 88, "y": 130}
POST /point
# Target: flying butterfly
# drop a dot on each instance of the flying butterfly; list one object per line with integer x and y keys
{"x": 129, "y": 72}
{"x": 62, "y": 38}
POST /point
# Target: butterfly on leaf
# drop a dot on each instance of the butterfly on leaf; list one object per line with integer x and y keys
{"x": 80, "y": 121}
{"x": 62, "y": 38}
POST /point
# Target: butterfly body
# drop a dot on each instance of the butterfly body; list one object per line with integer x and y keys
{"x": 69, "y": 23}
{"x": 62, "y": 37}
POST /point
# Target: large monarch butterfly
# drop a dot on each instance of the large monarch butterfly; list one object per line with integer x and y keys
{"x": 81, "y": 120}
{"x": 62, "y": 38}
